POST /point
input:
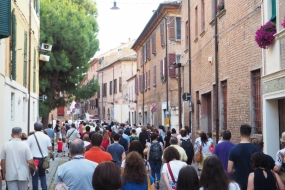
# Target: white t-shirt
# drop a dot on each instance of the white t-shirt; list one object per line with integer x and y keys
{"x": 44, "y": 142}
{"x": 16, "y": 153}
{"x": 147, "y": 166}
{"x": 279, "y": 157}
{"x": 175, "y": 166}
{"x": 232, "y": 186}
{"x": 197, "y": 143}
{"x": 138, "y": 131}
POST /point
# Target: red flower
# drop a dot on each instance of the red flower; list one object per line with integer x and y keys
{"x": 265, "y": 35}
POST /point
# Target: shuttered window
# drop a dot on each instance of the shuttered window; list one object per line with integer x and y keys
{"x": 196, "y": 22}
{"x": 148, "y": 79}
{"x": 115, "y": 86}
{"x": 5, "y": 18}
{"x": 145, "y": 80}
{"x": 162, "y": 40}
{"x": 172, "y": 70}
{"x": 60, "y": 111}
{"x": 34, "y": 71}
{"x": 153, "y": 41}
{"x": 141, "y": 55}
{"x": 37, "y": 6}
{"x": 178, "y": 28}
{"x": 256, "y": 100}
{"x": 136, "y": 86}
{"x": 161, "y": 76}
{"x": 148, "y": 49}
{"x": 120, "y": 84}
{"x": 98, "y": 93}
{"x": 171, "y": 27}
{"x": 186, "y": 35}
{"x": 202, "y": 15}
{"x": 110, "y": 88}
{"x": 14, "y": 45}
{"x": 25, "y": 59}
{"x": 154, "y": 75}
{"x": 273, "y": 10}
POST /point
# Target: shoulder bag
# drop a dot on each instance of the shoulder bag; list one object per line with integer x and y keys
{"x": 46, "y": 159}
{"x": 198, "y": 156}
{"x": 171, "y": 175}
{"x": 148, "y": 183}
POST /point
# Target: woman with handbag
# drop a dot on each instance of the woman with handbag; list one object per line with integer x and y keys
{"x": 203, "y": 151}
{"x": 263, "y": 178}
{"x": 171, "y": 168}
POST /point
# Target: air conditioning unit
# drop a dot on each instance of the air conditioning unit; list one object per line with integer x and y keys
{"x": 44, "y": 58}
{"x": 46, "y": 47}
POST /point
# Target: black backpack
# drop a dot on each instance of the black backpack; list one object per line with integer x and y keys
{"x": 188, "y": 147}
{"x": 155, "y": 152}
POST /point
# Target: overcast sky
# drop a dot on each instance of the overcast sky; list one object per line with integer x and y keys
{"x": 117, "y": 26}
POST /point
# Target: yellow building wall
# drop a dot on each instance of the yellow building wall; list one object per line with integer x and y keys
{"x": 21, "y": 10}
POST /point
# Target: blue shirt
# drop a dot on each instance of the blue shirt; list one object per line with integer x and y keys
{"x": 116, "y": 150}
{"x": 50, "y": 133}
{"x": 76, "y": 174}
{"x": 126, "y": 137}
{"x": 131, "y": 186}
{"x": 240, "y": 155}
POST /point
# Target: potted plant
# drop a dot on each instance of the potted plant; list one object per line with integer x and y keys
{"x": 264, "y": 36}
{"x": 221, "y": 6}
{"x": 283, "y": 24}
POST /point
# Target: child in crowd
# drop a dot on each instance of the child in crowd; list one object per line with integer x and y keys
{"x": 59, "y": 147}
{"x": 64, "y": 146}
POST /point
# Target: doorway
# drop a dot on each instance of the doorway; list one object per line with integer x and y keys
{"x": 281, "y": 110}
{"x": 206, "y": 112}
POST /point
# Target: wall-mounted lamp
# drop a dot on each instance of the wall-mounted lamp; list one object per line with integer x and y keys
{"x": 115, "y": 6}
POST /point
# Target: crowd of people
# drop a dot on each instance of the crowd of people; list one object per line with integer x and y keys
{"x": 118, "y": 156}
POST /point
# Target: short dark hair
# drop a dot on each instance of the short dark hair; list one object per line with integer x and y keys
{"x": 173, "y": 130}
{"x": 96, "y": 139}
{"x": 136, "y": 145}
{"x": 87, "y": 128}
{"x": 121, "y": 131}
{"x": 258, "y": 142}
{"x": 183, "y": 132}
{"x": 168, "y": 133}
{"x": 107, "y": 175}
{"x": 245, "y": 130}
{"x": 153, "y": 136}
{"x": 73, "y": 125}
{"x": 227, "y": 135}
{"x": 16, "y": 131}
{"x": 133, "y": 131}
{"x": 173, "y": 140}
{"x": 49, "y": 125}
{"x": 187, "y": 179}
{"x": 97, "y": 129}
{"x": 90, "y": 134}
{"x": 170, "y": 153}
{"x": 116, "y": 137}
{"x": 38, "y": 126}
{"x": 259, "y": 159}
{"x": 209, "y": 135}
{"x": 76, "y": 147}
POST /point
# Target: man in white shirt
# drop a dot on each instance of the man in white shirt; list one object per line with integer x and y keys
{"x": 15, "y": 155}
{"x": 138, "y": 130}
{"x": 45, "y": 146}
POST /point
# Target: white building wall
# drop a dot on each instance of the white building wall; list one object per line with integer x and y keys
{"x": 2, "y": 84}
{"x": 121, "y": 113}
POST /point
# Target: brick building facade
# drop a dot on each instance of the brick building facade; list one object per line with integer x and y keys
{"x": 156, "y": 53}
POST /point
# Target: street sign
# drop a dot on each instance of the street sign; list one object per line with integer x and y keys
{"x": 186, "y": 96}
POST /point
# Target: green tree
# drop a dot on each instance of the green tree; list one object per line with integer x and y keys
{"x": 71, "y": 27}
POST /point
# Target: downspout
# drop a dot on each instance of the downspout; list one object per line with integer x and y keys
{"x": 102, "y": 97}
{"x": 143, "y": 97}
{"x": 189, "y": 71}
{"x": 166, "y": 65}
{"x": 216, "y": 75}
{"x": 29, "y": 70}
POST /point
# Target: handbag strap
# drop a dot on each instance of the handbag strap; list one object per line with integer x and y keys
{"x": 170, "y": 172}
{"x": 148, "y": 183}
{"x": 39, "y": 145}
{"x": 275, "y": 179}
{"x": 71, "y": 133}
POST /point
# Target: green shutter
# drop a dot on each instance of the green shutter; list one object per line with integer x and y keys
{"x": 37, "y": 6}
{"x": 5, "y": 18}
{"x": 14, "y": 45}
{"x": 273, "y": 17}
{"x": 34, "y": 76}
{"x": 25, "y": 59}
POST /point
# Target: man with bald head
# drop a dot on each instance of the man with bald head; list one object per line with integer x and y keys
{"x": 78, "y": 172}
{"x": 16, "y": 158}
{"x": 40, "y": 146}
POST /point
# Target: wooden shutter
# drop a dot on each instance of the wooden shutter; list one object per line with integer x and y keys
{"x": 171, "y": 27}
{"x": 60, "y": 111}
{"x": 145, "y": 80}
{"x": 14, "y": 45}
{"x": 148, "y": 49}
{"x": 5, "y": 18}
{"x": 25, "y": 59}
{"x": 136, "y": 85}
{"x": 161, "y": 70}
{"x": 171, "y": 59}
{"x": 148, "y": 78}
{"x": 153, "y": 42}
{"x": 140, "y": 83}
{"x": 34, "y": 68}
{"x": 162, "y": 40}
{"x": 142, "y": 55}
{"x": 186, "y": 35}
{"x": 154, "y": 75}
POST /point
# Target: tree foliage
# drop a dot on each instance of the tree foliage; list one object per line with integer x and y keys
{"x": 70, "y": 26}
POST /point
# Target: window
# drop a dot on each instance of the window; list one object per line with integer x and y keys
{"x": 96, "y": 103}
{"x": 60, "y": 111}
{"x": 145, "y": 80}
{"x": 136, "y": 86}
{"x": 110, "y": 88}
{"x": 196, "y": 22}
{"x": 178, "y": 28}
{"x": 154, "y": 75}
{"x": 162, "y": 69}
{"x": 36, "y": 6}
{"x": 12, "y": 106}
{"x": 162, "y": 40}
{"x": 273, "y": 10}
{"x": 186, "y": 35}
{"x": 14, "y": 46}
{"x": 148, "y": 79}
{"x": 256, "y": 100}
{"x": 98, "y": 93}
{"x": 144, "y": 53}
{"x": 119, "y": 53}
{"x": 25, "y": 59}
{"x": 104, "y": 89}
{"x": 101, "y": 60}
{"x": 172, "y": 70}
{"x": 148, "y": 49}
{"x": 115, "y": 86}
{"x": 120, "y": 84}
{"x": 153, "y": 41}
{"x": 224, "y": 104}
{"x": 5, "y": 20}
{"x": 178, "y": 60}
{"x": 171, "y": 28}
{"x": 202, "y": 15}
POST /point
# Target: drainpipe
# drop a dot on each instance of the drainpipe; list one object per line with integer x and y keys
{"x": 143, "y": 98}
{"x": 166, "y": 65}
{"x": 217, "y": 75}
{"x": 189, "y": 71}
{"x": 102, "y": 96}
{"x": 29, "y": 68}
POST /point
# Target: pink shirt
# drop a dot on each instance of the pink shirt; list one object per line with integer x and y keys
{"x": 80, "y": 130}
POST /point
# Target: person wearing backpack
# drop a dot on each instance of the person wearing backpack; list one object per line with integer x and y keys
{"x": 187, "y": 145}
{"x": 154, "y": 154}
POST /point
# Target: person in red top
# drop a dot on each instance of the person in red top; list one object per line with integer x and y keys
{"x": 96, "y": 154}
{"x": 59, "y": 147}
{"x": 87, "y": 132}
{"x": 106, "y": 140}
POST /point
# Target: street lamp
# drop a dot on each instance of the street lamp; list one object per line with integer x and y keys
{"x": 178, "y": 65}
